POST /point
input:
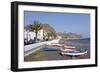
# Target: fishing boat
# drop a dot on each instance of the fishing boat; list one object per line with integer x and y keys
{"x": 56, "y": 44}
{"x": 57, "y": 47}
{"x": 52, "y": 49}
{"x": 74, "y": 52}
{"x": 70, "y": 47}
{"x": 63, "y": 50}
{"x": 62, "y": 45}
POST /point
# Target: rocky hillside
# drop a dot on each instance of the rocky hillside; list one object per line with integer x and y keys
{"x": 69, "y": 35}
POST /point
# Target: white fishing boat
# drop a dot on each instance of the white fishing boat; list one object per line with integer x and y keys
{"x": 62, "y": 45}
{"x": 73, "y": 52}
{"x": 66, "y": 50}
{"x": 71, "y": 47}
{"x": 57, "y": 44}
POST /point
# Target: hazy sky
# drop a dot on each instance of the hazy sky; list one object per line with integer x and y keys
{"x": 61, "y": 22}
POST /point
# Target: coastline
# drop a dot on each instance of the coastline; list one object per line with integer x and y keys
{"x": 41, "y": 55}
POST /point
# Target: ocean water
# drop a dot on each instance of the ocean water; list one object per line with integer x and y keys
{"x": 81, "y": 41}
{"x": 78, "y": 43}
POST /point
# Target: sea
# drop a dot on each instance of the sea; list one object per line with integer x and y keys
{"x": 80, "y": 40}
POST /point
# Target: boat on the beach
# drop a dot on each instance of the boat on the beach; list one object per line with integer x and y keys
{"x": 58, "y": 47}
{"x": 61, "y": 45}
{"x": 56, "y": 44}
{"x": 70, "y": 47}
{"x": 66, "y": 50}
{"x": 52, "y": 49}
{"x": 74, "y": 52}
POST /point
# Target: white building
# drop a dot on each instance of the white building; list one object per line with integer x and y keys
{"x": 29, "y": 35}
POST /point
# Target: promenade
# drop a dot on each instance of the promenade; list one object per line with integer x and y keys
{"x": 28, "y": 49}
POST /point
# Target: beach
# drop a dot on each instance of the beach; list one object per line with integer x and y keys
{"x": 41, "y": 55}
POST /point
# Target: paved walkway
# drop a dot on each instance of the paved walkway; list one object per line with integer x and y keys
{"x": 28, "y": 49}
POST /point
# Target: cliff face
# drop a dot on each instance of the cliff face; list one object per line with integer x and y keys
{"x": 47, "y": 27}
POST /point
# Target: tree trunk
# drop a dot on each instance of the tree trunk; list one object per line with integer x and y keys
{"x": 27, "y": 36}
{"x": 36, "y": 36}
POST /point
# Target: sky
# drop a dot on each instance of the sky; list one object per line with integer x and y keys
{"x": 61, "y": 22}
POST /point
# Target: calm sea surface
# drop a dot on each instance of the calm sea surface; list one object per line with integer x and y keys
{"x": 79, "y": 43}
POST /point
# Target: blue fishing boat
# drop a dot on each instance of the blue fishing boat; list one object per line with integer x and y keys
{"x": 52, "y": 49}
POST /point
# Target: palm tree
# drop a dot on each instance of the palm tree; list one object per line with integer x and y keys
{"x": 35, "y": 27}
{"x": 48, "y": 35}
{"x": 53, "y": 34}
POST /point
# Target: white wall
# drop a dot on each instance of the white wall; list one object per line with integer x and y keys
{"x": 5, "y": 35}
